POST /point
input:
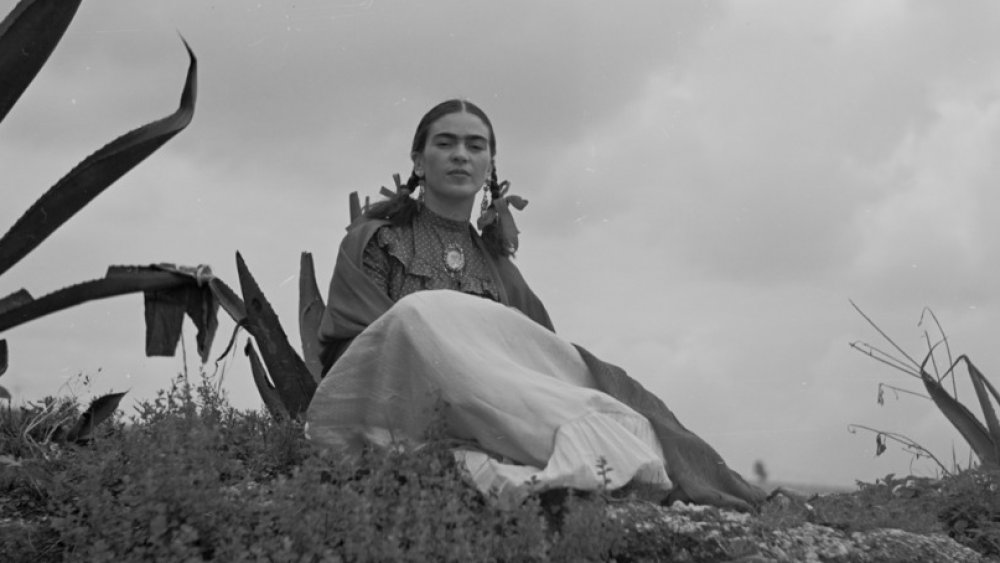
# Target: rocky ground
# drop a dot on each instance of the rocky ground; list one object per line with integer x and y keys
{"x": 696, "y": 533}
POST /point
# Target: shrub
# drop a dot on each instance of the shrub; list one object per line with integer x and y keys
{"x": 190, "y": 478}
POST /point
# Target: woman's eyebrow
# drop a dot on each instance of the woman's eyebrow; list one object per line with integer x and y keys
{"x": 452, "y": 136}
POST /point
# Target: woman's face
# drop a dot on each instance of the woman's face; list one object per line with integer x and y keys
{"x": 455, "y": 159}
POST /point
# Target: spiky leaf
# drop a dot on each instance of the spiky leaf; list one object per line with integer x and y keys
{"x": 354, "y": 205}
{"x": 310, "y": 314}
{"x": 89, "y": 178}
{"x": 100, "y": 409}
{"x": 119, "y": 281}
{"x": 272, "y": 401}
{"x": 230, "y": 302}
{"x": 979, "y": 383}
{"x": 4, "y": 394}
{"x": 28, "y": 35}
{"x": 974, "y": 371}
{"x": 963, "y": 420}
{"x": 16, "y": 299}
{"x": 291, "y": 377}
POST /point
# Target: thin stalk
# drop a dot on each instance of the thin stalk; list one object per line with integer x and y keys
{"x": 909, "y": 444}
{"x": 927, "y": 340}
{"x": 184, "y": 354}
{"x": 881, "y": 356}
{"x": 947, "y": 344}
{"x": 884, "y": 335}
{"x": 900, "y": 390}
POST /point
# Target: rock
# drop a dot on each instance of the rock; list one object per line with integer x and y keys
{"x": 683, "y": 532}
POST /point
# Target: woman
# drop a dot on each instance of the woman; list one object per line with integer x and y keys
{"x": 427, "y": 318}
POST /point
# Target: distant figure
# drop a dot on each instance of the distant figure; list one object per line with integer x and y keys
{"x": 760, "y": 472}
{"x": 424, "y": 314}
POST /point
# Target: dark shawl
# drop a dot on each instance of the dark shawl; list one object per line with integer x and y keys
{"x": 698, "y": 472}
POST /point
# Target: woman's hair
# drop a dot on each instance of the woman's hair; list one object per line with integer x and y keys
{"x": 401, "y": 209}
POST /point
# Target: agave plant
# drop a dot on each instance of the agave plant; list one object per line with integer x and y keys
{"x": 983, "y": 437}
{"x": 286, "y": 382}
{"x": 294, "y": 379}
{"x": 28, "y": 35}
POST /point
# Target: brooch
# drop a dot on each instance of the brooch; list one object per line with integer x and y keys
{"x": 454, "y": 258}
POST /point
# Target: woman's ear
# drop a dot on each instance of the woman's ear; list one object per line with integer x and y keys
{"x": 418, "y": 163}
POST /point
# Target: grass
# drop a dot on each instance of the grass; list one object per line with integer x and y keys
{"x": 189, "y": 478}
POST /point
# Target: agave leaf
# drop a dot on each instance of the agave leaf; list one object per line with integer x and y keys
{"x": 354, "y": 204}
{"x": 979, "y": 383}
{"x": 310, "y": 314}
{"x": 986, "y": 382}
{"x": 120, "y": 280}
{"x": 16, "y": 299}
{"x": 4, "y": 394}
{"x": 291, "y": 377}
{"x": 89, "y": 178}
{"x": 100, "y": 409}
{"x": 231, "y": 303}
{"x": 272, "y": 401}
{"x": 28, "y": 35}
{"x": 963, "y": 420}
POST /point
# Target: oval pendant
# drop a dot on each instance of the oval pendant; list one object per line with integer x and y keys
{"x": 454, "y": 258}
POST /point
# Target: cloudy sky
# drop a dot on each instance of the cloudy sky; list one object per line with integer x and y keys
{"x": 710, "y": 182}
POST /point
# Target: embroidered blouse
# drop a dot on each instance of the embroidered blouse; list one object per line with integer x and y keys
{"x": 434, "y": 252}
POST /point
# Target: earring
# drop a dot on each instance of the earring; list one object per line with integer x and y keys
{"x": 486, "y": 199}
{"x": 420, "y": 193}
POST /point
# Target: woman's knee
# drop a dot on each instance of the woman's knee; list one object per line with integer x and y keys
{"x": 419, "y": 308}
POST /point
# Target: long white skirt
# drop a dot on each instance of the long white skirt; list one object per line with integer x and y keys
{"x": 518, "y": 394}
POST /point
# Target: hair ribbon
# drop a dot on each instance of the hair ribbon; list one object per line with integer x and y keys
{"x": 499, "y": 212}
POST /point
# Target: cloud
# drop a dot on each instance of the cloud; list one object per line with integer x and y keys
{"x": 723, "y": 218}
{"x": 932, "y": 227}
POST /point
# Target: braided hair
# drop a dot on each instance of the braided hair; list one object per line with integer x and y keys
{"x": 401, "y": 210}
{"x": 492, "y": 235}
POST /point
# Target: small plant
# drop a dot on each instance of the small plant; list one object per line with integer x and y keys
{"x": 39, "y": 428}
{"x": 966, "y": 503}
{"x": 970, "y": 510}
{"x": 983, "y": 439}
{"x": 189, "y": 477}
